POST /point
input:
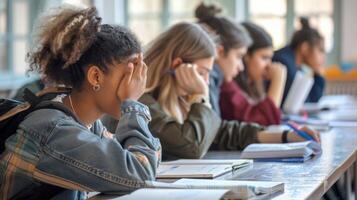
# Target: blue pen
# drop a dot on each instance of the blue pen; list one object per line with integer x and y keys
{"x": 301, "y": 133}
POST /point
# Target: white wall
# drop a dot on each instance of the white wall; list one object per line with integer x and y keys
{"x": 349, "y": 31}
{"x": 111, "y": 11}
{"x": 241, "y": 12}
{"x": 235, "y": 9}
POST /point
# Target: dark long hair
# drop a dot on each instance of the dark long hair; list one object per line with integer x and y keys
{"x": 230, "y": 34}
{"x": 305, "y": 34}
{"x": 261, "y": 39}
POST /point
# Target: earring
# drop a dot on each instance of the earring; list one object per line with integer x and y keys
{"x": 96, "y": 88}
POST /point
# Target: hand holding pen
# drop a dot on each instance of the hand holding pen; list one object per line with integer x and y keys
{"x": 302, "y": 133}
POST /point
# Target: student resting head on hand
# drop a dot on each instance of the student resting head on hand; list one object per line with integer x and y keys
{"x": 56, "y": 155}
{"x": 179, "y": 63}
{"x": 306, "y": 49}
{"x": 247, "y": 98}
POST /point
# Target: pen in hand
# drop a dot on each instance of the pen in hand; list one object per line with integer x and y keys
{"x": 301, "y": 133}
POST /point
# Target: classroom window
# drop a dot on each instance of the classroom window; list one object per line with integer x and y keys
{"x": 144, "y": 18}
{"x": 17, "y": 18}
{"x": 320, "y": 13}
{"x": 15, "y": 31}
{"x": 182, "y": 10}
{"x": 3, "y": 55}
{"x": 14, "y": 36}
{"x": 20, "y": 36}
{"x": 82, "y": 3}
{"x": 150, "y": 17}
{"x": 3, "y": 25}
{"x": 275, "y": 15}
{"x": 271, "y": 15}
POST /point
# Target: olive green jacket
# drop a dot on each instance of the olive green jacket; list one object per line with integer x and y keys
{"x": 202, "y": 130}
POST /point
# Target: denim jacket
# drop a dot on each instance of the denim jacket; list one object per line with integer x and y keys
{"x": 50, "y": 147}
{"x": 215, "y": 81}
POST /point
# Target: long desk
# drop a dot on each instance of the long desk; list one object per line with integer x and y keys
{"x": 312, "y": 179}
{"x": 309, "y": 180}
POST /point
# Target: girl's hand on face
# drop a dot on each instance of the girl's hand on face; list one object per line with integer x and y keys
{"x": 190, "y": 81}
{"x": 133, "y": 84}
{"x": 275, "y": 71}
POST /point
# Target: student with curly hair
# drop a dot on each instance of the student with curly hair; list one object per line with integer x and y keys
{"x": 54, "y": 155}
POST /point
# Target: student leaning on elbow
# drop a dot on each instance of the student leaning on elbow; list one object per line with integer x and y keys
{"x": 56, "y": 155}
{"x": 179, "y": 64}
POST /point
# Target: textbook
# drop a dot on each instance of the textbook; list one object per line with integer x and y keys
{"x": 195, "y": 168}
{"x": 206, "y": 189}
{"x": 313, "y": 108}
{"x": 325, "y": 124}
{"x": 233, "y": 189}
{"x": 238, "y": 189}
{"x": 331, "y": 102}
{"x": 283, "y": 127}
{"x": 174, "y": 194}
{"x": 235, "y": 162}
{"x": 306, "y": 120}
{"x": 288, "y": 152}
{"x": 339, "y": 115}
{"x": 337, "y": 101}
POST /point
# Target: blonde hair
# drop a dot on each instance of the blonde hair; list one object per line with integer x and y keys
{"x": 187, "y": 41}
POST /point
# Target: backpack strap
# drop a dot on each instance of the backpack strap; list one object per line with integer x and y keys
{"x": 33, "y": 99}
{"x": 14, "y": 117}
{"x": 41, "y": 100}
{"x": 30, "y": 97}
{"x": 54, "y": 90}
{"x": 44, "y": 95}
{"x": 14, "y": 111}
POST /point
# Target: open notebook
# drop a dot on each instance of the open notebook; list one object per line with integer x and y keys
{"x": 324, "y": 124}
{"x": 175, "y": 194}
{"x": 289, "y": 152}
{"x": 199, "y": 168}
{"x": 349, "y": 114}
{"x": 206, "y": 189}
{"x": 237, "y": 189}
{"x": 232, "y": 162}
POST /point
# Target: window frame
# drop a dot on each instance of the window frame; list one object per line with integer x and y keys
{"x": 234, "y": 10}
{"x": 8, "y": 78}
{"x": 332, "y": 57}
{"x": 165, "y": 16}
